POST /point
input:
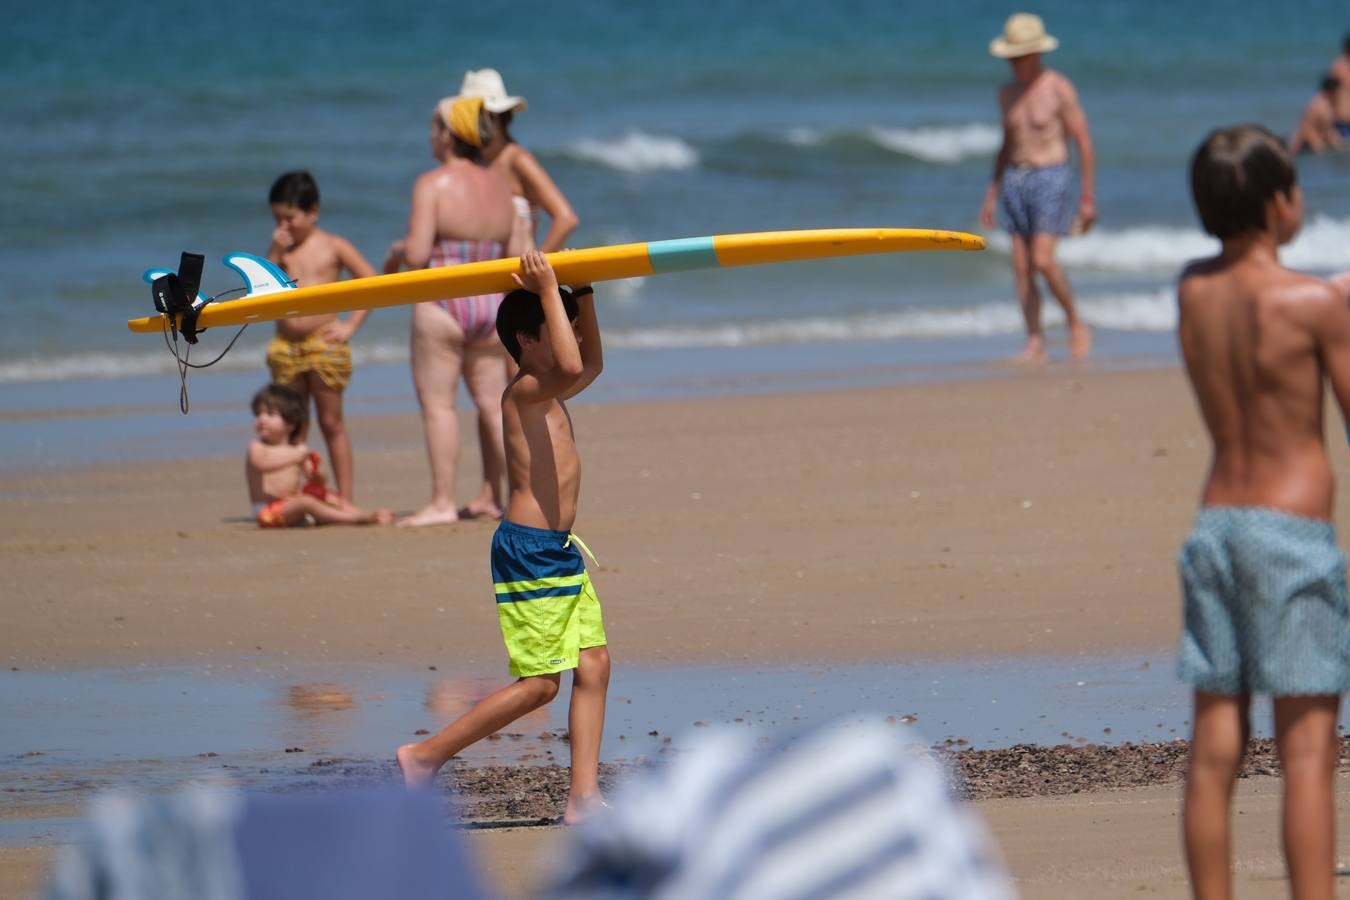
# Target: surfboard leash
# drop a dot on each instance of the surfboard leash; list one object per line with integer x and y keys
{"x": 183, "y": 360}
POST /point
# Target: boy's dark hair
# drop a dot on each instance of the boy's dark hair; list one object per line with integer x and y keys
{"x": 523, "y": 312}
{"x": 1234, "y": 174}
{"x": 286, "y": 403}
{"x": 1330, "y": 83}
{"x": 296, "y": 189}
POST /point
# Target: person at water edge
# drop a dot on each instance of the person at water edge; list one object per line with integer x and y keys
{"x": 285, "y": 480}
{"x": 546, "y": 606}
{"x": 461, "y": 213}
{"x": 1317, "y": 130}
{"x": 313, "y": 353}
{"x": 531, "y": 187}
{"x": 1264, "y": 581}
{"x": 1340, "y": 101}
{"x": 1032, "y": 181}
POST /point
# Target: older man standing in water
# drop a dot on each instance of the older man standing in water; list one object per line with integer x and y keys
{"x": 1032, "y": 181}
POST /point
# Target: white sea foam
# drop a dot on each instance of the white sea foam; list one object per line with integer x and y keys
{"x": 946, "y": 144}
{"x": 1141, "y": 311}
{"x": 636, "y": 151}
{"x": 1322, "y": 246}
{"x": 1144, "y": 311}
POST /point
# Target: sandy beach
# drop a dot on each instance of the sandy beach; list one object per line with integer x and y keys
{"x": 1031, "y": 515}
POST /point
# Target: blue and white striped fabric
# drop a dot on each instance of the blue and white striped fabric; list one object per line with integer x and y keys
{"x": 842, "y": 812}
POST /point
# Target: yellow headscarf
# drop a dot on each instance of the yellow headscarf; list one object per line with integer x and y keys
{"x": 463, "y": 116}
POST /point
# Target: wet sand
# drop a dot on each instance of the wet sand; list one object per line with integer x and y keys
{"x": 1033, "y": 515}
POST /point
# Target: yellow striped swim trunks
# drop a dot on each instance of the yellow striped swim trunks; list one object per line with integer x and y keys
{"x": 288, "y": 360}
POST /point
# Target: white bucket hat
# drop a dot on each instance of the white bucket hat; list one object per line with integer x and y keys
{"x": 1023, "y": 35}
{"x": 488, "y": 84}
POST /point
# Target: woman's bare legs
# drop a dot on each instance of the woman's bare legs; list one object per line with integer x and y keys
{"x": 437, "y": 354}
{"x": 485, "y": 376}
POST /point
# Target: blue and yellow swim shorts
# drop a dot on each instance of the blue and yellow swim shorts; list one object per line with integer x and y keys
{"x": 546, "y": 606}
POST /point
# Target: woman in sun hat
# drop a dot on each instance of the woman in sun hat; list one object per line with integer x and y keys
{"x": 531, "y": 187}
{"x": 461, "y": 213}
{"x": 1032, "y": 182}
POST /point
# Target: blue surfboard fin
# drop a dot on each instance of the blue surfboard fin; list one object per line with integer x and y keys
{"x": 261, "y": 276}
{"x": 149, "y": 276}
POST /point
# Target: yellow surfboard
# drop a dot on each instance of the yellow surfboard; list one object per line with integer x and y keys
{"x": 271, "y": 294}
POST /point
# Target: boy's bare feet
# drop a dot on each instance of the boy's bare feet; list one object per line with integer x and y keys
{"x": 429, "y": 515}
{"x": 416, "y": 773}
{"x": 1080, "y": 341}
{"x": 384, "y": 517}
{"x": 1033, "y": 353}
{"x": 579, "y": 809}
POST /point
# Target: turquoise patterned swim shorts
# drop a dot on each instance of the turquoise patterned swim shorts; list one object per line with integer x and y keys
{"x": 1265, "y": 604}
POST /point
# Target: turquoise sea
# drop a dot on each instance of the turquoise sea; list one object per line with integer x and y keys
{"x": 137, "y": 130}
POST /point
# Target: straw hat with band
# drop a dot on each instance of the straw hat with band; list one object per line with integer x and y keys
{"x": 488, "y": 84}
{"x": 1023, "y": 35}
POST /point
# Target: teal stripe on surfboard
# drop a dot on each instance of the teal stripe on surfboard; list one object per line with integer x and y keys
{"x": 682, "y": 255}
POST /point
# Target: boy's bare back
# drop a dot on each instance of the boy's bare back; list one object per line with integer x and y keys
{"x": 1257, "y": 340}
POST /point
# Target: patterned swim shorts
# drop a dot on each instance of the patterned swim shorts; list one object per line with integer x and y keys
{"x": 1035, "y": 199}
{"x": 288, "y": 360}
{"x": 1265, "y": 604}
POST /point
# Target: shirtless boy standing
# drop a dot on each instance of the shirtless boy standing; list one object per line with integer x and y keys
{"x": 1032, "y": 180}
{"x": 1263, "y": 577}
{"x": 311, "y": 354}
{"x": 546, "y": 607}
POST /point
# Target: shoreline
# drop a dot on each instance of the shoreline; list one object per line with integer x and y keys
{"x": 69, "y": 424}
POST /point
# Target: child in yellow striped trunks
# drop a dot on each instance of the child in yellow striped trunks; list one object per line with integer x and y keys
{"x": 311, "y": 354}
{"x": 548, "y": 612}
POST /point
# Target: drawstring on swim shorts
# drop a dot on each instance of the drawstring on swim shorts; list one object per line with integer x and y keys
{"x": 582, "y": 544}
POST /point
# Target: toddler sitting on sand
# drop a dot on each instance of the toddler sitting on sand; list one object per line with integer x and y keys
{"x": 285, "y": 482}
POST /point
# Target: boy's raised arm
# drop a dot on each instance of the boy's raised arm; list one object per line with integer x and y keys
{"x": 588, "y": 332}
{"x": 537, "y": 276}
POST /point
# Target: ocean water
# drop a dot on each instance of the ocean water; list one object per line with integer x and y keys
{"x": 135, "y": 131}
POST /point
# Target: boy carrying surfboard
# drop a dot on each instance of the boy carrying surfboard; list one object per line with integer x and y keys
{"x": 547, "y": 609}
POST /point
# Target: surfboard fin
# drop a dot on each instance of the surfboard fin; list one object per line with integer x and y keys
{"x": 261, "y": 276}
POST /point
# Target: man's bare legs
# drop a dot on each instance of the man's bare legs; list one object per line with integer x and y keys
{"x": 1218, "y": 742}
{"x": 485, "y": 377}
{"x": 1305, "y": 735}
{"x": 421, "y": 761}
{"x": 437, "y": 354}
{"x": 1029, "y": 298}
{"x": 586, "y": 725}
{"x": 1044, "y": 263}
{"x": 328, "y": 410}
